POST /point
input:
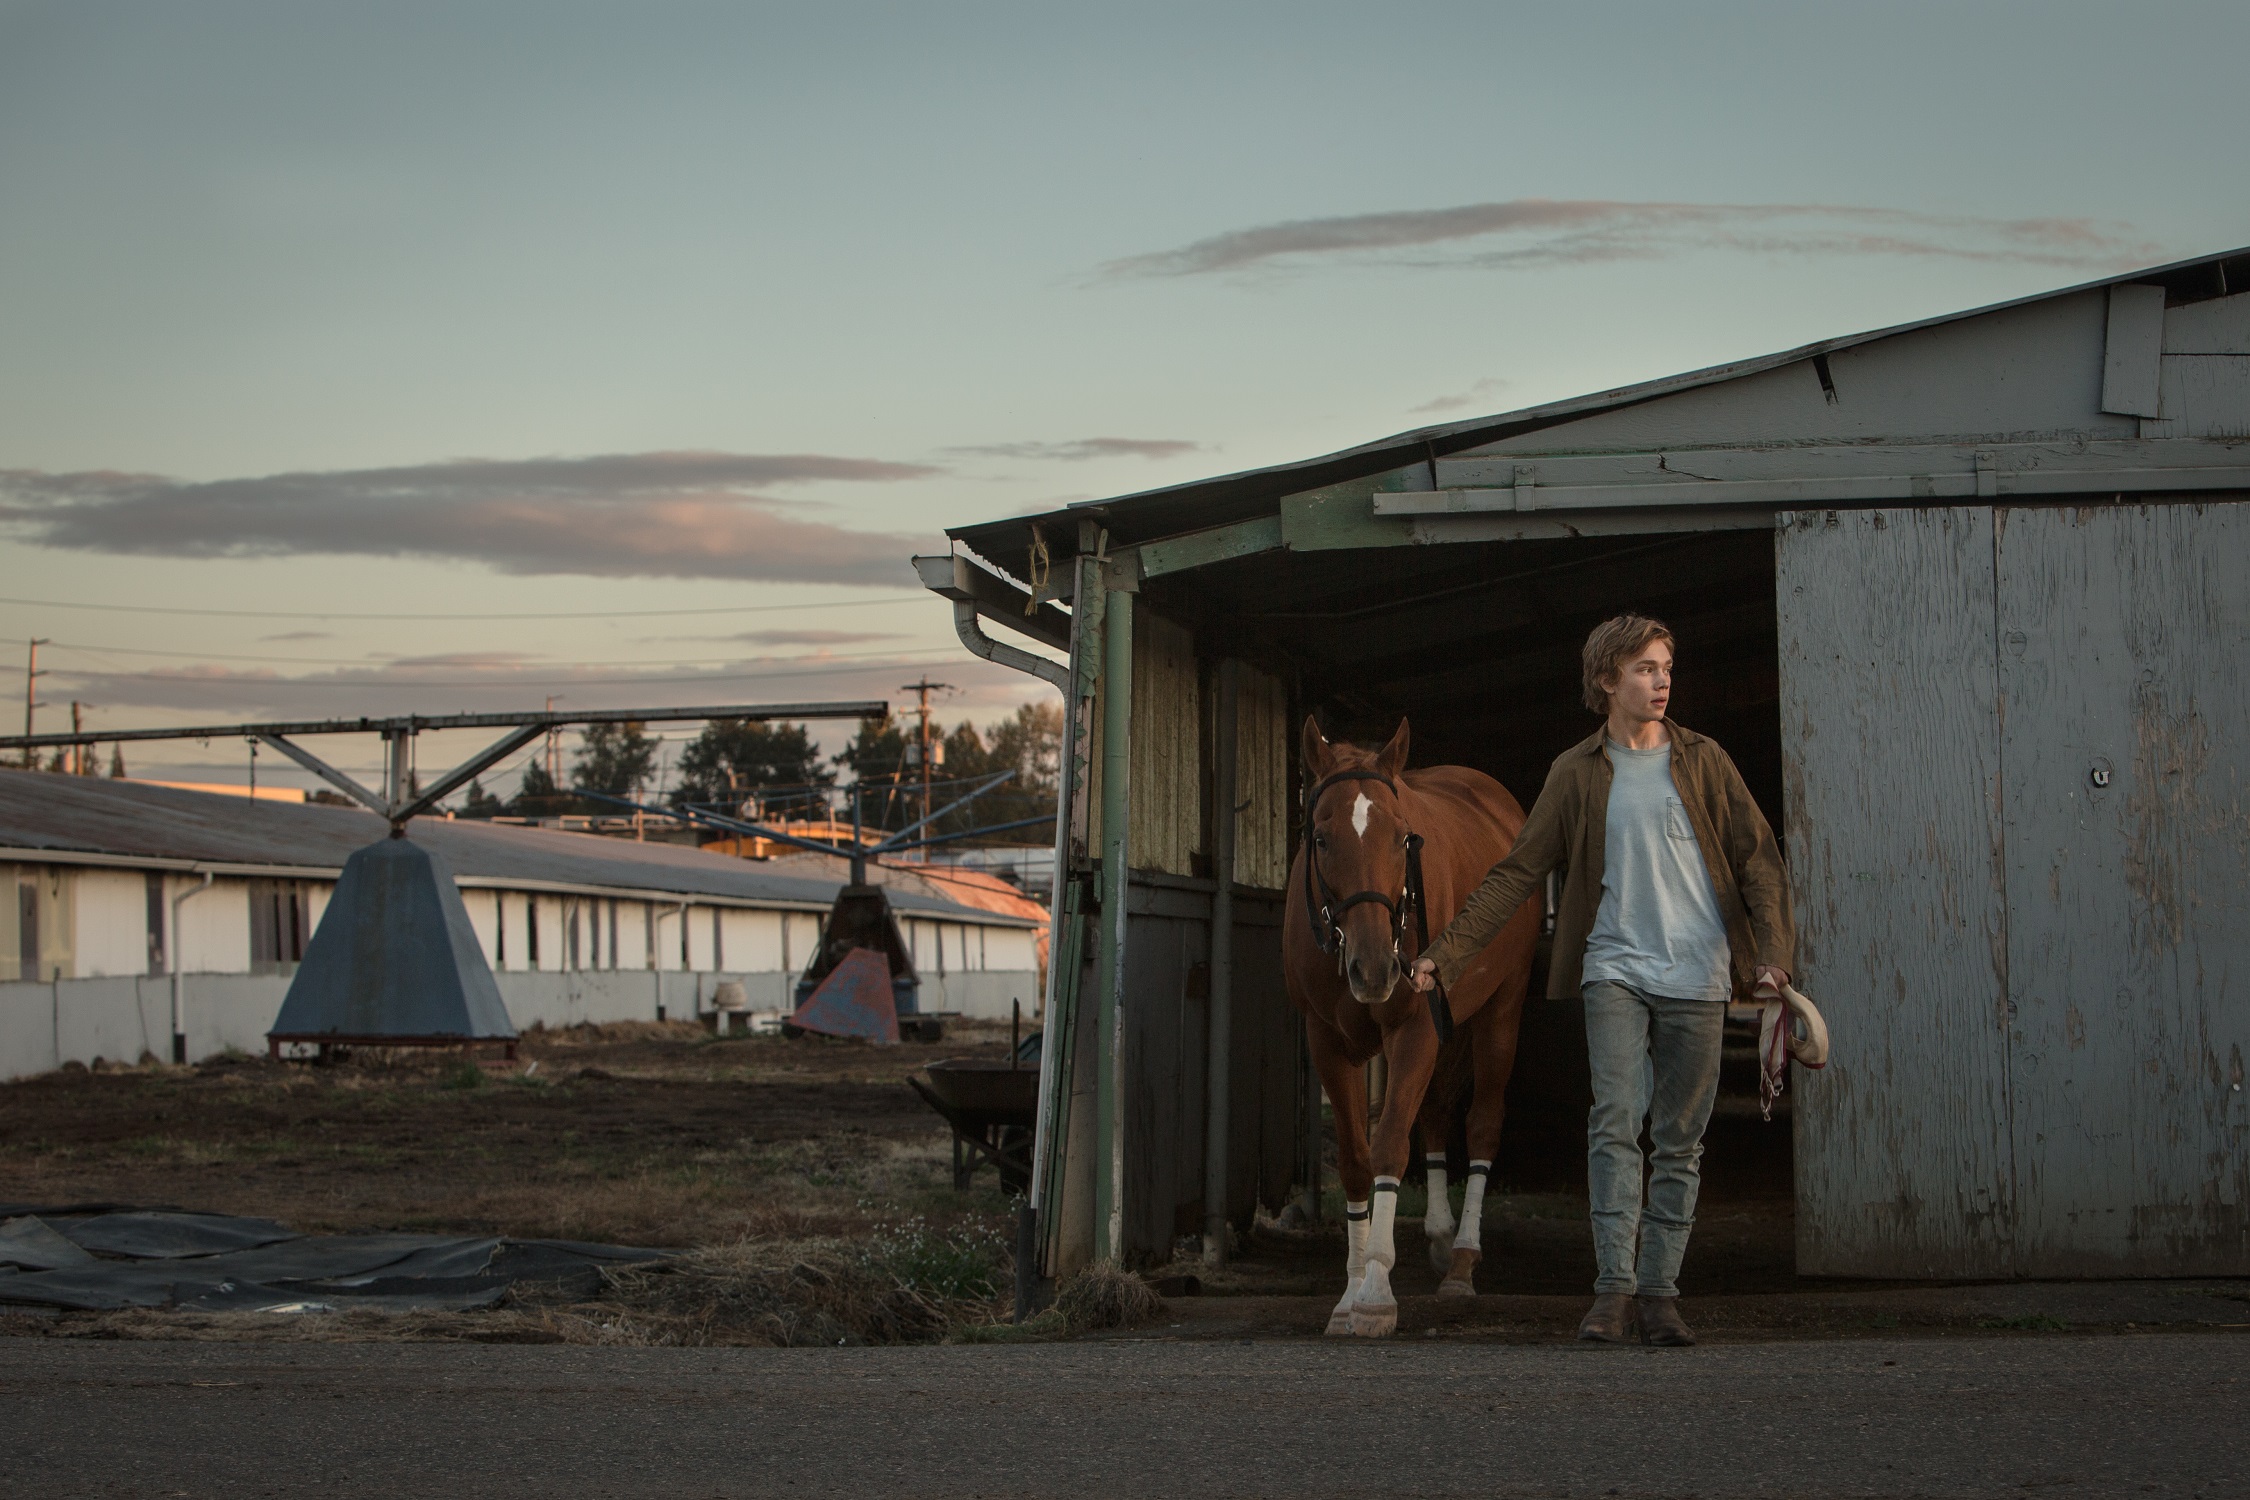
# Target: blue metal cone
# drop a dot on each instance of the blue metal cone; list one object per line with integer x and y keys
{"x": 394, "y": 957}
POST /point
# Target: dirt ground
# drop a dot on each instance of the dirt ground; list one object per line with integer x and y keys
{"x": 811, "y": 1194}
{"x": 633, "y": 1134}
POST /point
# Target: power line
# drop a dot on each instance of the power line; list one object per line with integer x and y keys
{"x": 567, "y": 614}
{"x": 377, "y": 664}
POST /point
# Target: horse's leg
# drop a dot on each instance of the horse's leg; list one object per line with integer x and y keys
{"x": 1435, "y": 1120}
{"x": 1346, "y": 1083}
{"x": 1412, "y": 1053}
{"x": 1493, "y": 1051}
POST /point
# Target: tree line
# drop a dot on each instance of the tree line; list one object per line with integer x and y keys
{"x": 774, "y": 771}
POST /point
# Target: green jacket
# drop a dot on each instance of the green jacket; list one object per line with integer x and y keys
{"x": 1567, "y": 829}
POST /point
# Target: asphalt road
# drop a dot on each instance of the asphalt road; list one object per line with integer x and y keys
{"x": 2021, "y": 1415}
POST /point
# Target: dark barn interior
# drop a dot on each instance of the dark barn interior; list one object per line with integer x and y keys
{"x": 1478, "y": 646}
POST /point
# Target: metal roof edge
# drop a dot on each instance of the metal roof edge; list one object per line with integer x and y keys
{"x": 1370, "y": 458}
{"x": 950, "y": 910}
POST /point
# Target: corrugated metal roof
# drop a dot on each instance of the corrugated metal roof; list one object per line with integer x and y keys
{"x": 130, "y": 820}
{"x": 1227, "y": 498}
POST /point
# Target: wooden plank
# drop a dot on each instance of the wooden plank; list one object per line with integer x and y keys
{"x": 1199, "y": 549}
{"x": 1262, "y": 744}
{"x": 2126, "y": 657}
{"x": 1162, "y": 1122}
{"x": 2220, "y": 325}
{"x": 2204, "y": 396}
{"x": 1338, "y": 517}
{"x": 2131, "y": 351}
{"x": 1891, "y": 768}
{"x": 2035, "y": 368}
{"x": 1167, "y": 802}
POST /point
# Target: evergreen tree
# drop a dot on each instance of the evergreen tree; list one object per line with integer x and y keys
{"x": 480, "y": 803}
{"x": 537, "y": 796}
{"x": 614, "y": 758}
{"x": 734, "y": 756}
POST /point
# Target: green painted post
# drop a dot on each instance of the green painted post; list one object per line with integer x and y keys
{"x": 1117, "y": 759}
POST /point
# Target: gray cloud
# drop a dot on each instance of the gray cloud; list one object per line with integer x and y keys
{"x": 1475, "y": 395}
{"x": 672, "y": 515}
{"x": 1077, "y": 450}
{"x": 1546, "y": 231}
{"x": 301, "y": 635}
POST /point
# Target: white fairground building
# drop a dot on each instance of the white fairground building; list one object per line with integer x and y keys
{"x": 112, "y": 885}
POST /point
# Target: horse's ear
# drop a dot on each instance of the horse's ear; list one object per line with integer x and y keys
{"x": 1316, "y": 748}
{"x": 1392, "y": 760}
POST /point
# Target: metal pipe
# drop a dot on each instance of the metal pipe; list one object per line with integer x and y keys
{"x": 972, "y": 636}
{"x": 872, "y": 708}
{"x": 1217, "y": 1121}
{"x": 172, "y": 962}
{"x": 1117, "y": 761}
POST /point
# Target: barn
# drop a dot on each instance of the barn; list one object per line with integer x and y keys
{"x": 1968, "y": 601}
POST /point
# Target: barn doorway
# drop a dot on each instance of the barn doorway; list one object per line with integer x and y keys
{"x": 1477, "y": 644}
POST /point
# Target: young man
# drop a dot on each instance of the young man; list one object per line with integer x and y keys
{"x": 1673, "y": 901}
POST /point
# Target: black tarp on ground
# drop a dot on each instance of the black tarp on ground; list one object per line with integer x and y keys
{"x": 148, "y": 1258}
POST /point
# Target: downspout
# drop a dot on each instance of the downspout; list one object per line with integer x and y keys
{"x": 972, "y": 635}
{"x": 1052, "y": 1048}
{"x": 172, "y": 962}
{"x": 1217, "y": 1125}
{"x": 657, "y": 966}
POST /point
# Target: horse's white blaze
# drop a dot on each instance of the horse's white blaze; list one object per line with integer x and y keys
{"x": 1361, "y": 807}
{"x": 1471, "y": 1236}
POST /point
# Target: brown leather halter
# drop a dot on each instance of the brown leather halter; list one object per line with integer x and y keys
{"x": 1326, "y": 910}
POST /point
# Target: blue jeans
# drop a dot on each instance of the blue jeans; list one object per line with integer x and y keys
{"x": 1654, "y": 1059}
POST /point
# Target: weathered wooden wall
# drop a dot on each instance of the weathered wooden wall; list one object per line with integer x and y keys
{"x": 2125, "y": 658}
{"x": 1891, "y": 767}
{"x": 1262, "y": 749}
{"x": 2018, "y": 751}
{"x": 1168, "y": 759}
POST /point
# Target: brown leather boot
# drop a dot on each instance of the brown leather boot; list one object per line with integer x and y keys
{"x": 1609, "y": 1320}
{"x": 1661, "y": 1324}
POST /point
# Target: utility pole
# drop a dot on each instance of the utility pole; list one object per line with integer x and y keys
{"x": 923, "y": 689}
{"x": 31, "y": 703}
{"x": 80, "y": 755}
{"x": 554, "y": 750}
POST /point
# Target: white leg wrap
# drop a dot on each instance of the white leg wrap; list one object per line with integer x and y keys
{"x": 1374, "y": 1311}
{"x": 1437, "y": 1219}
{"x": 1382, "y": 1241}
{"x": 1355, "y": 1265}
{"x": 1471, "y": 1236}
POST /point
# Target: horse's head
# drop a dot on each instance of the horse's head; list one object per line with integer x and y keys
{"x": 1357, "y": 832}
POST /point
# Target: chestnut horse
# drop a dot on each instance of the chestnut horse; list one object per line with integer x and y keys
{"x": 1350, "y": 930}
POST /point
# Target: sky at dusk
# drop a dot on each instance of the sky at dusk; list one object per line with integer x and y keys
{"x": 385, "y": 357}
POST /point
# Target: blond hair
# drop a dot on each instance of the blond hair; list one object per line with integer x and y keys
{"x": 1613, "y": 644}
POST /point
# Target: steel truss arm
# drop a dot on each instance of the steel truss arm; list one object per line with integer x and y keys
{"x": 328, "y": 773}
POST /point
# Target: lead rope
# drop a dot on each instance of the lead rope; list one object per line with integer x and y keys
{"x": 1441, "y": 1009}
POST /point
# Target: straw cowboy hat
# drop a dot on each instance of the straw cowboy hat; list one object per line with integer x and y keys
{"x": 1789, "y": 1026}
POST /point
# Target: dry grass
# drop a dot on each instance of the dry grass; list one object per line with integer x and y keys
{"x": 1104, "y": 1297}
{"x": 808, "y": 1190}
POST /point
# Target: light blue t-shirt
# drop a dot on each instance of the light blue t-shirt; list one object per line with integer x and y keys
{"x": 1659, "y": 928}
